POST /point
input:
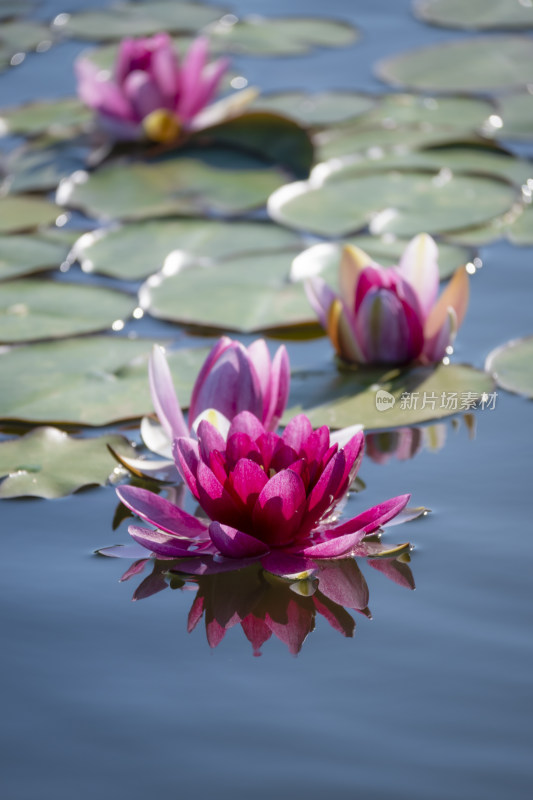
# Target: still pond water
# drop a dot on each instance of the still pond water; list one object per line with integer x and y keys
{"x": 431, "y": 699}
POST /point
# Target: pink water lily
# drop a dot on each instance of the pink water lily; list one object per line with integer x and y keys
{"x": 264, "y": 496}
{"x": 150, "y": 94}
{"x": 233, "y": 378}
{"x": 391, "y": 315}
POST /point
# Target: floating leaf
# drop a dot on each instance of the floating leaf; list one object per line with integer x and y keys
{"x": 273, "y": 137}
{"x": 138, "y": 19}
{"x": 22, "y": 255}
{"x": 38, "y": 309}
{"x": 246, "y": 294}
{"x": 41, "y": 166}
{"x": 517, "y": 226}
{"x": 318, "y": 109}
{"x": 476, "y": 14}
{"x": 403, "y": 203}
{"x": 55, "y": 117}
{"x": 21, "y": 36}
{"x": 516, "y": 113}
{"x": 342, "y": 398}
{"x": 48, "y": 463}
{"x": 324, "y": 259}
{"x": 132, "y": 252}
{"x": 94, "y": 380}
{"x": 482, "y": 64}
{"x": 221, "y": 182}
{"x": 279, "y": 37}
{"x": 511, "y": 366}
{"x": 25, "y": 213}
{"x": 457, "y": 159}
{"x": 15, "y": 8}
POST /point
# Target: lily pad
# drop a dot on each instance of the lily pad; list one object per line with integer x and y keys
{"x": 228, "y": 183}
{"x": 516, "y": 226}
{"x": 138, "y": 19}
{"x": 273, "y": 137}
{"x": 15, "y": 8}
{"x": 22, "y": 255}
{"x": 419, "y": 394}
{"x": 482, "y": 64}
{"x": 511, "y": 366}
{"x": 457, "y": 159}
{"x": 55, "y": 117}
{"x": 24, "y": 213}
{"x": 324, "y": 259}
{"x": 476, "y": 14}
{"x": 41, "y": 166}
{"x": 96, "y": 380}
{"x": 39, "y": 309}
{"x": 516, "y": 113}
{"x": 48, "y": 463}
{"x": 245, "y": 294}
{"x": 133, "y": 252}
{"x": 318, "y": 109}
{"x": 286, "y": 36}
{"x": 21, "y": 36}
{"x": 403, "y": 203}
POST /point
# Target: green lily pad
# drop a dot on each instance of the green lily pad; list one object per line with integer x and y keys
{"x": 245, "y": 294}
{"x": 419, "y": 394}
{"x": 21, "y": 36}
{"x": 15, "y": 8}
{"x": 133, "y": 252}
{"x": 226, "y": 184}
{"x": 319, "y": 109}
{"x": 403, "y": 203}
{"x": 404, "y": 121}
{"x": 516, "y": 226}
{"x": 458, "y": 159}
{"x": 25, "y": 213}
{"x": 324, "y": 260}
{"x": 482, "y": 64}
{"x": 48, "y": 463}
{"x": 273, "y": 137}
{"x": 22, "y": 255}
{"x": 39, "y": 309}
{"x": 138, "y": 19}
{"x": 95, "y": 380}
{"x": 511, "y": 366}
{"x": 516, "y": 113}
{"x": 41, "y": 166}
{"x": 476, "y": 14}
{"x": 55, "y": 117}
{"x": 285, "y": 36}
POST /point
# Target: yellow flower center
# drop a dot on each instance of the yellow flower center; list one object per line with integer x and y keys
{"x": 162, "y": 126}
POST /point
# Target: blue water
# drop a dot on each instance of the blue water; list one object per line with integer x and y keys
{"x": 432, "y": 698}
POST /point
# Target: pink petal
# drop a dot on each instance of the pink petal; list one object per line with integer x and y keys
{"x": 390, "y": 328}
{"x": 323, "y": 495}
{"x": 163, "y": 545}
{"x": 353, "y": 262}
{"x": 240, "y": 445}
{"x": 187, "y": 457}
{"x": 435, "y": 348}
{"x": 209, "y": 439}
{"x": 455, "y": 296}
{"x": 260, "y": 360}
{"x": 320, "y": 296}
{"x": 235, "y": 544}
{"x": 143, "y": 94}
{"x": 297, "y": 432}
{"x": 161, "y": 513}
{"x": 248, "y": 423}
{"x": 248, "y": 480}
{"x": 419, "y": 267}
{"x": 166, "y": 73}
{"x": 279, "y": 508}
{"x": 371, "y": 519}
{"x": 279, "y": 386}
{"x": 163, "y": 394}
{"x": 339, "y": 547}
{"x": 216, "y": 501}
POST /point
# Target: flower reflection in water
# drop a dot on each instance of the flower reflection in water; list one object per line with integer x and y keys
{"x": 264, "y": 604}
{"x": 406, "y": 443}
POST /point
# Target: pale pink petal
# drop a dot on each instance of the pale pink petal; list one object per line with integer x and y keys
{"x": 419, "y": 267}
{"x": 320, "y": 297}
{"x": 435, "y": 348}
{"x": 143, "y": 94}
{"x": 455, "y": 296}
{"x": 187, "y": 457}
{"x": 353, "y": 262}
{"x": 163, "y": 394}
{"x": 279, "y": 386}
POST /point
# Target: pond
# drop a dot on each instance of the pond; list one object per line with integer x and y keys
{"x": 431, "y": 697}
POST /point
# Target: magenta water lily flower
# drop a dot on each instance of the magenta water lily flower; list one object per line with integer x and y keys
{"x": 264, "y": 496}
{"x": 391, "y": 315}
{"x": 233, "y": 378}
{"x": 150, "y": 94}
